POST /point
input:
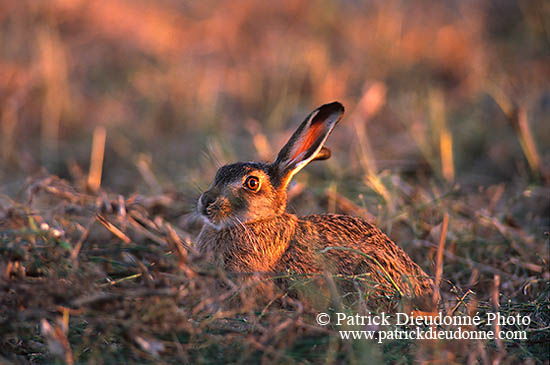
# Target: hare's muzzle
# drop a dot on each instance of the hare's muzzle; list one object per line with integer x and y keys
{"x": 205, "y": 202}
{"x": 214, "y": 208}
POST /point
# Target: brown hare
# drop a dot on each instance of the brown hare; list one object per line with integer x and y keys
{"x": 247, "y": 228}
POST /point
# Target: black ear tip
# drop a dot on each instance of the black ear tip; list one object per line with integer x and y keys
{"x": 334, "y": 107}
{"x": 332, "y": 111}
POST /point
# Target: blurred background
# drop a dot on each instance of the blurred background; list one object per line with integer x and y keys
{"x": 456, "y": 90}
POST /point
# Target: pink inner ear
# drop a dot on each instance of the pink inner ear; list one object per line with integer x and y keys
{"x": 308, "y": 140}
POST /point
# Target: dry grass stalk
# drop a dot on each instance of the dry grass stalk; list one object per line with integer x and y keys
{"x": 54, "y": 69}
{"x": 144, "y": 167}
{"x": 179, "y": 248}
{"x": 113, "y": 229}
{"x": 439, "y": 262}
{"x": 373, "y": 99}
{"x": 526, "y": 140}
{"x": 96, "y": 158}
{"x": 347, "y": 206}
{"x": 56, "y": 337}
{"x": 80, "y": 242}
{"x": 136, "y": 226}
{"x": 442, "y": 132}
{"x": 517, "y": 115}
{"x": 8, "y": 122}
{"x": 446, "y": 146}
{"x": 496, "y": 306}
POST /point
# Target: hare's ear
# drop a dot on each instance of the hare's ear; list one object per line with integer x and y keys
{"x": 306, "y": 144}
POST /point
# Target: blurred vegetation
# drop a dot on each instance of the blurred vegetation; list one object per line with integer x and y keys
{"x": 114, "y": 115}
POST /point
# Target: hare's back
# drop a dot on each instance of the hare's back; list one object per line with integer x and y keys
{"x": 372, "y": 252}
{"x": 344, "y": 231}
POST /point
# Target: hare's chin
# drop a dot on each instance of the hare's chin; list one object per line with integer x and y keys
{"x": 217, "y": 226}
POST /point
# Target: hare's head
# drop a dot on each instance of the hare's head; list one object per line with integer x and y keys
{"x": 249, "y": 191}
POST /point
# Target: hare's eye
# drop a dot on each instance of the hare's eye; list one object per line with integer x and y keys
{"x": 252, "y": 183}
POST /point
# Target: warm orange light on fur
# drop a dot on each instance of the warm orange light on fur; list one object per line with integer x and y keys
{"x": 309, "y": 139}
{"x": 260, "y": 236}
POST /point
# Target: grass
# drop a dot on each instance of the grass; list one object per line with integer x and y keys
{"x": 114, "y": 116}
{"x": 140, "y": 300}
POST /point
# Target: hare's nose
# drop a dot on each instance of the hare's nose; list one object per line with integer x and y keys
{"x": 206, "y": 200}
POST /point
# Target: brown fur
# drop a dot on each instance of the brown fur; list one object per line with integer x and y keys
{"x": 291, "y": 244}
{"x": 248, "y": 231}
